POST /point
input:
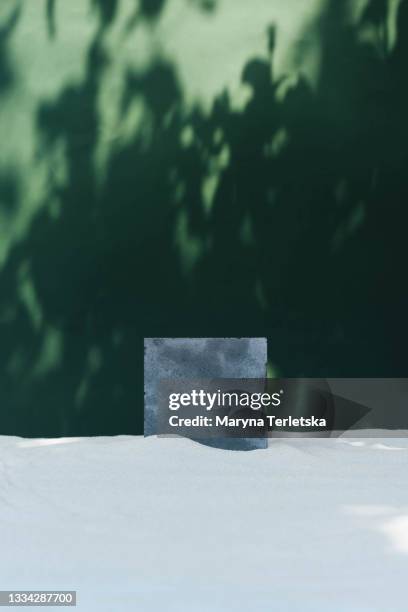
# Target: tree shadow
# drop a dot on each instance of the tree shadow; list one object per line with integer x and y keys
{"x": 284, "y": 219}
{"x": 6, "y": 30}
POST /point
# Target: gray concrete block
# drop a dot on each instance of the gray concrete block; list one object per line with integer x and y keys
{"x": 200, "y": 358}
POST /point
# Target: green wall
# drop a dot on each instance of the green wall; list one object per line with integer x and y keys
{"x": 196, "y": 168}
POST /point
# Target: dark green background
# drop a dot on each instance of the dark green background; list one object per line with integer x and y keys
{"x": 302, "y": 240}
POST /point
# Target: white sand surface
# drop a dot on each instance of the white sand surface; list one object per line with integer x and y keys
{"x": 152, "y": 524}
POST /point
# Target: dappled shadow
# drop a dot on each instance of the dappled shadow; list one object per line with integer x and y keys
{"x": 7, "y": 28}
{"x": 283, "y": 219}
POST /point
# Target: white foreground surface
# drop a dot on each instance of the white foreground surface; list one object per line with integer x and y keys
{"x": 167, "y": 524}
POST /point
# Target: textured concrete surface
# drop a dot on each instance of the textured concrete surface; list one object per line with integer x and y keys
{"x": 200, "y": 358}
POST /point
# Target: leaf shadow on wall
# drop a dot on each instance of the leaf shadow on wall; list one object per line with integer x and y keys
{"x": 285, "y": 219}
